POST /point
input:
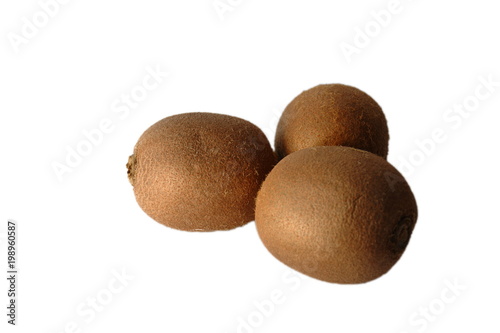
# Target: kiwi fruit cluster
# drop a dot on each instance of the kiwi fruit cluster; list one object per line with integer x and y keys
{"x": 325, "y": 203}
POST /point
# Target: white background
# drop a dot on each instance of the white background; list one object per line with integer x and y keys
{"x": 76, "y": 234}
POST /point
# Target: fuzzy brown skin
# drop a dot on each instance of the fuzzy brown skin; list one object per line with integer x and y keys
{"x": 332, "y": 115}
{"x": 200, "y": 171}
{"x": 337, "y": 214}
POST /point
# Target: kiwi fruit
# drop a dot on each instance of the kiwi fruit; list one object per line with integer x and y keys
{"x": 337, "y": 214}
{"x": 332, "y": 115}
{"x": 200, "y": 171}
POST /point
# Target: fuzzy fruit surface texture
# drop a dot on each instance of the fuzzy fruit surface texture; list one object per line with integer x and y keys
{"x": 200, "y": 171}
{"x": 337, "y": 214}
{"x": 332, "y": 115}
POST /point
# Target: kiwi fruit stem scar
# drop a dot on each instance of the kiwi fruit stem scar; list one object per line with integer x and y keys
{"x": 131, "y": 169}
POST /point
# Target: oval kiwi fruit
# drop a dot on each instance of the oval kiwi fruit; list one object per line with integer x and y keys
{"x": 200, "y": 171}
{"x": 332, "y": 115}
{"x": 337, "y": 214}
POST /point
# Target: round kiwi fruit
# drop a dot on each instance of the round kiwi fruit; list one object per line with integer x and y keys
{"x": 200, "y": 171}
{"x": 337, "y": 214}
{"x": 332, "y": 115}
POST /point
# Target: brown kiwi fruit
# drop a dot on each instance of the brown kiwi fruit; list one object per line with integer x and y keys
{"x": 200, "y": 171}
{"x": 332, "y": 115}
{"x": 337, "y": 214}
